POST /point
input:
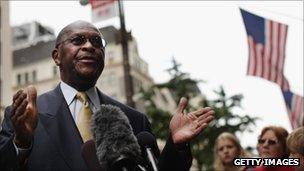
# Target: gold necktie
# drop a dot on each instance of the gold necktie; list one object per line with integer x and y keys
{"x": 84, "y": 117}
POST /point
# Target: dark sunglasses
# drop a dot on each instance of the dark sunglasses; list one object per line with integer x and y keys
{"x": 79, "y": 40}
{"x": 270, "y": 142}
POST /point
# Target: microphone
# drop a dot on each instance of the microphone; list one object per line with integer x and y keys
{"x": 116, "y": 145}
{"x": 147, "y": 142}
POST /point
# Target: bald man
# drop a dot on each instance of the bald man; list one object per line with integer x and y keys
{"x": 42, "y": 134}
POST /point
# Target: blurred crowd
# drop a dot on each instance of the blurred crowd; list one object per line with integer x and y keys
{"x": 273, "y": 142}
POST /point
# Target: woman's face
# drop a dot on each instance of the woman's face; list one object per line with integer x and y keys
{"x": 227, "y": 151}
{"x": 268, "y": 146}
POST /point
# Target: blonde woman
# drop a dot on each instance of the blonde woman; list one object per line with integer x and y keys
{"x": 295, "y": 144}
{"x": 226, "y": 148}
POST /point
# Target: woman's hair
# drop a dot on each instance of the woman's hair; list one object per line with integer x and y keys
{"x": 295, "y": 141}
{"x": 217, "y": 163}
{"x": 281, "y": 134}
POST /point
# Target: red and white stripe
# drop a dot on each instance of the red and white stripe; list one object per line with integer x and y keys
{"x": 267, "y": 61}
{"x": 296, "y": 113}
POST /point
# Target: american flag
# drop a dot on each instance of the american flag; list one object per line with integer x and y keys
{"x": 294, "y": 105}
{"x": 267, "y": 40}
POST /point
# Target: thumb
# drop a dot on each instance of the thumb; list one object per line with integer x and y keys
{"x": 32, "y": 95}
{"x": 182, "y": 105}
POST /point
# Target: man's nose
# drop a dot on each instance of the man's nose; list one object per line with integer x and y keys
{"x": 88, "y": 46}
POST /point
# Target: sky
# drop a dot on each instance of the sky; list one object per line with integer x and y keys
{"x": 209, "y": 40}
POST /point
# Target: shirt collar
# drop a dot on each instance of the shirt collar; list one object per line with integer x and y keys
{"x": 69, "y": 94}
{"x": 93, "y": 96}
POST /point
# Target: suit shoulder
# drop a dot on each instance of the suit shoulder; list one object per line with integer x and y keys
{"x": 50, "y": 97}
{"x": 127, "y": 109}
{"x": 138, "y": 120}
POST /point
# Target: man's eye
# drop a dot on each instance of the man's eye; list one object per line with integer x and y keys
{"x": 96, "y": 41}
{"x": 77, "y": 40}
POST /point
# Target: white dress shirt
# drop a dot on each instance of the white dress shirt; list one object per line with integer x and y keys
{"x": 75, "y": 104}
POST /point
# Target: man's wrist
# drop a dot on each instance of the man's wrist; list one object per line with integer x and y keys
{"x": 24, "y": 143}
{"x": 182, "y": 146}
{"x": 22, "y": 153}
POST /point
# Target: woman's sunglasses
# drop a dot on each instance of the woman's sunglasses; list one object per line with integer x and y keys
{"x": 269, "y": 141}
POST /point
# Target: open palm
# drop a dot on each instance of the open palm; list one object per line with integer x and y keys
{"x": 185, "y": 127}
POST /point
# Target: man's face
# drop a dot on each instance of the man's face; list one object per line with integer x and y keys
{"x": 80, "y": 57}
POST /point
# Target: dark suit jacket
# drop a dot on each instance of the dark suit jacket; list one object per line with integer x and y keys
{"x": 57, "y": 142}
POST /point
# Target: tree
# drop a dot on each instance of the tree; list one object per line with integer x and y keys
{"x": 158, "y": 117}
{"x": 225, "y": 120}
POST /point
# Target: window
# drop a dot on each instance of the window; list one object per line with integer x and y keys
{"x": 19, "y": 79}
{"x": 34, "y": 75}
{"x": 26, "y": 75}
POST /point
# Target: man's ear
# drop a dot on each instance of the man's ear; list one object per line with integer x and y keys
{"x": 55, "y": 56}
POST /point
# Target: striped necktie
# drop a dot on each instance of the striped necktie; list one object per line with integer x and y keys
{"x": 84, "y": 117}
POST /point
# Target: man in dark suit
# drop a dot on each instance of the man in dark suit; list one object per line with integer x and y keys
{"x": 44, "y": 133}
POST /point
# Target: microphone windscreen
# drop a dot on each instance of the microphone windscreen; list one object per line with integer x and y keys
{"x": 113, "y": 135}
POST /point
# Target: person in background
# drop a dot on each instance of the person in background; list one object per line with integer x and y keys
{"x": 295, "y": 144}
{"x": 227, "y": 147}
{"x": 272, "y": 144}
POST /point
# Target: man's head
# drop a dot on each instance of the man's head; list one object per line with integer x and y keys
{"x": 79, "y": 53}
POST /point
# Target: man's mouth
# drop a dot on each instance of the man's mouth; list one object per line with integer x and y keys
{"x": 87, "y": 59}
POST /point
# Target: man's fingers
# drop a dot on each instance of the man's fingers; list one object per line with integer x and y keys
{"x": 191, "y": 116}
{"x": 206, "y": 120}
{"x": 17, "y": 94}
{"x": 17, "y": 102}
{"x": 20, "y": 110}
{"x": 21, "y": 118}
{"x": 211, "y": 112}
{"x": 182, "y": 105}
{"x": 203, "y": 124}
{"x": 200, "y": 128}
{"x": 32, "y": 95}
{"x": 201, "y": 111}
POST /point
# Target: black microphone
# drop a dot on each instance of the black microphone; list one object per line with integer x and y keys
{"x": 147, "y": 143}
{"x": 116, "y": 146}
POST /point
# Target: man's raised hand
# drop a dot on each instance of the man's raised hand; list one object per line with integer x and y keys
{"x": 186, "y": 126}
{"x": 24, "y": 116}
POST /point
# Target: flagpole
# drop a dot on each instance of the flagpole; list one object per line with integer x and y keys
{"x": 129, "y": 91}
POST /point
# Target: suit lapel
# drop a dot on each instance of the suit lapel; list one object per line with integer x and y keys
{"x": 56, "y": 118}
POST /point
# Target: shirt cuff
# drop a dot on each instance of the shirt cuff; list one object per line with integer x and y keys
{"x": 22, "y": 151}
{"x": 182, "y": 146}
